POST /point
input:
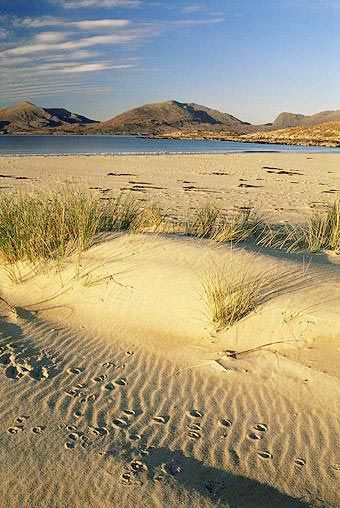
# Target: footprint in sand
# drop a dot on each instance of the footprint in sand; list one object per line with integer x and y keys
{"x": 78, "y": 414}
{"x": 85, "y": 441}
{"x": 135, "y": 437}
{"x": 16, "y": 429}
{"x": 254, "y": 436}
{"x": 73, "y": 436}
{"x": 195, "y": 414}
{"x": 194, "y": 435}
{"x": 299, "y": 462}
{"x": 225, "y": 422}
{"x": 161, "y": 419}
{"x": 129, "y": 353}
{"x": 336, "y": 467}
{"x": 74, "y": 370}
{"x": 118, "y": 422}
{"x": 99, "y": 379}
{"x": 121, "y": 382}
{"x": 108, "y": 365}
{"x": 70, "y": 445}
{"x": 100, "y": 431}
{"x": 129, "y": 412}
{"x": 194, "y": 426}
{"x": 109, "y": 387}
{"x": 39, "y": 429}
{"x": 262, "y": 427}
{"x": 21, "y": 419}
{"x": 265, "y": 455}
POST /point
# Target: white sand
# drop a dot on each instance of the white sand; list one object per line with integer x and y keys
{"x": 178, "y": 183}
{"x": 115, "y": 389}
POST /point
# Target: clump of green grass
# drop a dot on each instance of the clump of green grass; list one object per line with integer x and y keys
{"x": 46, "y": 225}
{"x": 120, "y": 214}
{"x": 152, "y": 219}
{"x": 231, "y": 296}
{"x": 238, "y": 226}
{"x": 320, "y": 232}
{"x": 210, "y": 222}
{"x": 204, "y": 221}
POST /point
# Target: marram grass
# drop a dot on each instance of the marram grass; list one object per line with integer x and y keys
{"x": 320, "y": 232}
{"x": 231, "y": 296}
{"x": 52, "y": 225}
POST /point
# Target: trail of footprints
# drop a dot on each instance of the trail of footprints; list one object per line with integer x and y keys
{"x": 80, "y": 435}
{"x": 22, "y": 423}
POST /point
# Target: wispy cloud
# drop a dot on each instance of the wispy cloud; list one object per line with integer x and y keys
{"x": 45, "y": 48}
{"x": 190, "y": 9}
{"x": 49, "y": 21}
{"x": 74, "y": 44}
{"x": 50, "y": 37}
{"x": 77, "y": 4}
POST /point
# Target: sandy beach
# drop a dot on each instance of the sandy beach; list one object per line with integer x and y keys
{"x": 115, "y": 387}
{"x": 283, "y": 186}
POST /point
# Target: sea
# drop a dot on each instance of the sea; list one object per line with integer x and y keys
{"x": 123, "y": 145}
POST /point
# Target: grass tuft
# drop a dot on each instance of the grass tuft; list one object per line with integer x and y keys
{"x": 320, "y": 232}
{"x": 46, "y": 225}
{"x": 230, "y": 297}
{"x": 210, "y": 222}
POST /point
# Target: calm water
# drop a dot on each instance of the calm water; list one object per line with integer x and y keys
{"x": 89, "y": 145}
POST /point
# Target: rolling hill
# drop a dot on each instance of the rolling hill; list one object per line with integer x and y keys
{"x": 27, "y": 117}
{"x": 170, "y": 116}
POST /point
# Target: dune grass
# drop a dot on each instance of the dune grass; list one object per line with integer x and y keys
{"x": 52, "y": 225}
{"x": 230, "y": 296}
{"x": 46, "y": 225}
{"x": 41, "y": 226}
{"x": 320, "y": 232}
{"x": 209, "y": 222}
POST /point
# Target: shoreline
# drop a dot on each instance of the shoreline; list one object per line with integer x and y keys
{"x": 227, "y": 139}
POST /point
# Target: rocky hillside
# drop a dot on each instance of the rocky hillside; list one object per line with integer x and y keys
{"x": 171, "y": 116}
{"x": 325, "y": 134}
{"x": 286, "y": 120}
{"x": 27, "y": 117}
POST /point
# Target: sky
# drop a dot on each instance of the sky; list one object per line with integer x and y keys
{"x": 250, "y": 58}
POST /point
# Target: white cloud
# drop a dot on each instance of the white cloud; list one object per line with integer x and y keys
{"x": 99, "y": 23}
{"x": 50, "y": 37}
{"x": 37, "y": 22}
{"x": 77, "y": 4}
{"x": 87, "y": 24}
{"x": 193, "y": 8}
{"x": 93, "y": 68}
{"x": 75, "y": 44}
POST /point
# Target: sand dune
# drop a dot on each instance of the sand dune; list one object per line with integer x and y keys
{"x": 116, "y": 390}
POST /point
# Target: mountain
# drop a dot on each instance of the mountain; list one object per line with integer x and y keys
{"x": 27, "y": 117}
{"x": 170, "y": 116}
{"x": 286, "y": 120}
{"x": 324, "y": 134}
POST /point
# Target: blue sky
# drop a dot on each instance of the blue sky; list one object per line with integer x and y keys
{"x": 250, "y": 58}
